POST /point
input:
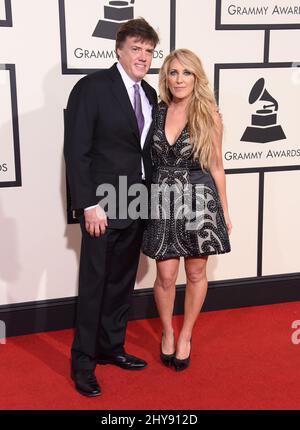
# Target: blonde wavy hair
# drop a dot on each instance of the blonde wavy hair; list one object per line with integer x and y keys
{"x": 201, "y": 116}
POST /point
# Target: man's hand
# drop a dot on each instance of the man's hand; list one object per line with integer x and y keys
{"x": 95, "y": 221}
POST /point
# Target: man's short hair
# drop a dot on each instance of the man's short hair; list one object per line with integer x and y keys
{"x": 138, "y": 28}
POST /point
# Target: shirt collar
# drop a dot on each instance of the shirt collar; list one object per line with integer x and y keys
{"x": 128, "y": 82}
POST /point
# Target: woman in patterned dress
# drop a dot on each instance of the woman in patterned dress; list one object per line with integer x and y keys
{"x": 189, "y": 212}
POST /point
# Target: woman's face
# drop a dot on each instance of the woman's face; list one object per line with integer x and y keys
{"x": 180, "y": 81}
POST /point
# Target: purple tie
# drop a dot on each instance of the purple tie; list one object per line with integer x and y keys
{"x": 138, "y": 108}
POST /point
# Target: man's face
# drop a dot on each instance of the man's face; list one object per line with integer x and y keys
{"x": 135, "y": 57}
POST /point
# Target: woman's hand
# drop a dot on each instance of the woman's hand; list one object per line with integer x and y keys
{"x": 228, "y": 222}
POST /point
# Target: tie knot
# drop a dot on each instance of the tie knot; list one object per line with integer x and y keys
{"x": 136, "y": 87}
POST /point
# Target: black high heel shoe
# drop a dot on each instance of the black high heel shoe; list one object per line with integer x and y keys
{"x": 182, "y": 363}
{"x": 166, "y": 359}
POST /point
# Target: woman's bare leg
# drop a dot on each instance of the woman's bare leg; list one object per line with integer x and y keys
{"x": 164, "y": 293}
{"x": 195, "y": 293}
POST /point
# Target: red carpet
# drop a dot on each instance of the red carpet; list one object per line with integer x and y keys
{"x": 241, "y": 359}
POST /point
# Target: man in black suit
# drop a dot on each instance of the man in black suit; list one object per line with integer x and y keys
{"x": 108, "y": 127}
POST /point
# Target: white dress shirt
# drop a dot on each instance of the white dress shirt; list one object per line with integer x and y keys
{"x": 146, "y": 107}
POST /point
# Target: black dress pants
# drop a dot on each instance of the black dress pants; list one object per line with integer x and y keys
{"x": 108, "y": 267}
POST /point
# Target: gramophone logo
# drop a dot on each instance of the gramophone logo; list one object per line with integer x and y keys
{"x": 88, "y": 31}
{"x": 115, "y": 14}
{"x": 264, "y": 127}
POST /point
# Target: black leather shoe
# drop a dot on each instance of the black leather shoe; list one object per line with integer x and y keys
{"x": 182, "y": 363}
{"x": 86, "y": 382}
{"x": 123, "y": 360}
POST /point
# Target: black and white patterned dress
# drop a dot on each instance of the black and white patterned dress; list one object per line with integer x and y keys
{"x": 186, "y": 216}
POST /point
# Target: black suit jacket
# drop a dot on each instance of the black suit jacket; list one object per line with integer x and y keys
{"x": 102, "y": 139}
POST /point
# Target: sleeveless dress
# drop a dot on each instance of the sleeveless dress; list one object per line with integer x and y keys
{"x": 186, "y": 217}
